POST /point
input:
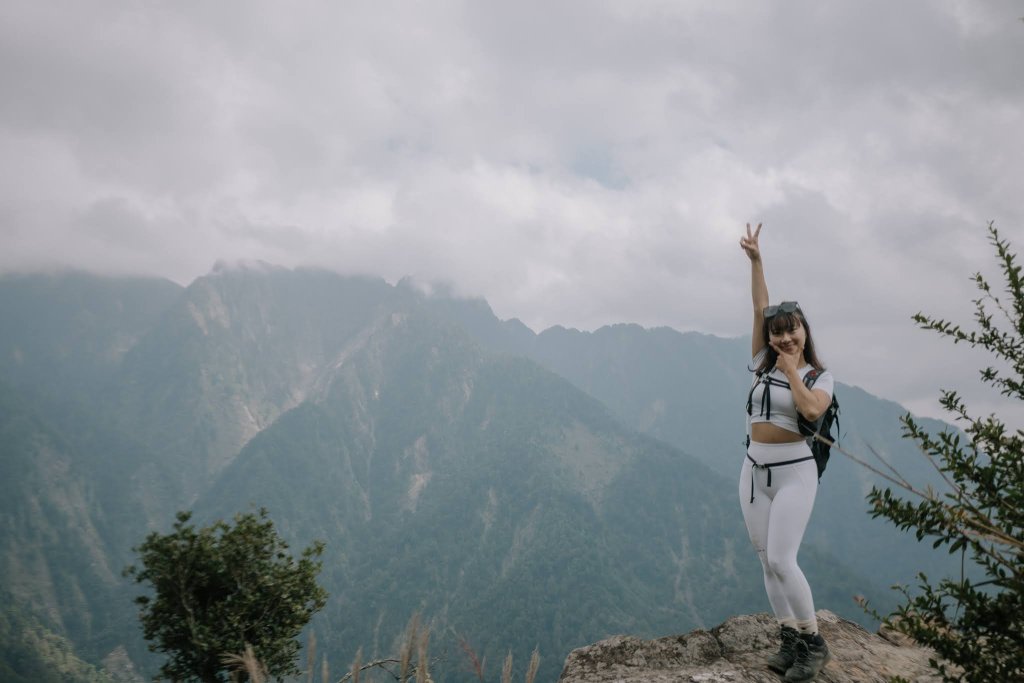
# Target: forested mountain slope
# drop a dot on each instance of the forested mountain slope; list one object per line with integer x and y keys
{"x": 516, "y": 489}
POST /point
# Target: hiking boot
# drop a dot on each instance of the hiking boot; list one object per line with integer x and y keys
{"x": 811, "y": 655}
{"x": 783, "y": 659}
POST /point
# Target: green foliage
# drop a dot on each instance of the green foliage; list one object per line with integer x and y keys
{"x": 32, "y": 653}
{"x": 975, "y": 624}
{"x": 536, "y": 519}
{"x": 222, "y": 587}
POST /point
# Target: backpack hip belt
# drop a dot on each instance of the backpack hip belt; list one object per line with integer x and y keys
{"x": 768, "y": 467}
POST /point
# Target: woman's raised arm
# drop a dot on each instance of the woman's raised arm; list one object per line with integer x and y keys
{"x": 758, "y": 288}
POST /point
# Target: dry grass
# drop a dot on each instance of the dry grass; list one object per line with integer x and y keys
{"x": 407, "y": 647}
{"x": 479, "y": 667}
{"x": 246, "y": 663}
{"x": 403, "y": 669}
{"x": 357, "y": 665}
{"x": 423, "y": 659}
{"x": 310, "y": 655}
{"x": 531, "y": 671}
{"x": 476, "y": 664}
{"x": 506, "y": 669}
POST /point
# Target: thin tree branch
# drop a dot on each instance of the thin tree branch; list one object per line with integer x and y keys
{"x": 970, "y": 526}
{"x": 381, "y": 663}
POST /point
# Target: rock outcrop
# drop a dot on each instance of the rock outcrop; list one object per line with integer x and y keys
{"x": 119, "y": 668}
{"x": 735, "y": 652}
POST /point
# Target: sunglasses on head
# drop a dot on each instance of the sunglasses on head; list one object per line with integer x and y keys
{"x": 784, "y": 307}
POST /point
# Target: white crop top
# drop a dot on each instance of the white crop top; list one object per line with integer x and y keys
{"x": 778, "y": 407}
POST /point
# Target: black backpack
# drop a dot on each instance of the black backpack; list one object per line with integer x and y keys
{"x": 821, "y": 428}
{"x": 818, "y": 432}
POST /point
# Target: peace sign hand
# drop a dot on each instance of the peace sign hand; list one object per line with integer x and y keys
{"x": 749, "y": 243}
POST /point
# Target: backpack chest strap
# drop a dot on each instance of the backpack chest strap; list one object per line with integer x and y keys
{"x": 766, "y": 397}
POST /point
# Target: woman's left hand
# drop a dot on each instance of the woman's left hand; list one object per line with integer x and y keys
{"x": 788, "y": 362}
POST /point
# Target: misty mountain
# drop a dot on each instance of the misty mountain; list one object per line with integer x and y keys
{"x": 68, "y": 525}
{"x": 516, "y": 489}
{"x": 66, "y": 332}
{"x": 236, "y": 350}
{"x": 497, "y": 499}
{"x": 689, "y": 390}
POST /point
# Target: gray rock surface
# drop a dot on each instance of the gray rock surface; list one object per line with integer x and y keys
{"x": 119, "y": 668}
{"x": 735, "y": 652}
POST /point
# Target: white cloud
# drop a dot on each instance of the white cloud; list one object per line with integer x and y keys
{"x": 578, "y": 163}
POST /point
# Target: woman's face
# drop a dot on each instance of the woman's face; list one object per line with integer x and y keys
{"x": 791, "y": 338}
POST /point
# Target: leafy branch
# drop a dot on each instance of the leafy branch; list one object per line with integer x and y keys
{"x": 975, "y": 626}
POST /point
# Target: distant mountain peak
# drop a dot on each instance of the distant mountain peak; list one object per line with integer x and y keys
{"x": 223, "y": 266}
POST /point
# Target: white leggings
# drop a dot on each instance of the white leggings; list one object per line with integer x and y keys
{"x": 776, "y": 519}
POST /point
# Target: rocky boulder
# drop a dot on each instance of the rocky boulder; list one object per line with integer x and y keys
{"x": 735, "y": 652}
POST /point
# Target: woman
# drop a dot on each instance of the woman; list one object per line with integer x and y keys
{"x": 779, "y": 478}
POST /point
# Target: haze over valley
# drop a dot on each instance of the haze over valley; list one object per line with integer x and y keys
{"x": 516, "y": 489}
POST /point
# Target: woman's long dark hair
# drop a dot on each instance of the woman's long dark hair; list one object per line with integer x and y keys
{"x": 778, "y": 324}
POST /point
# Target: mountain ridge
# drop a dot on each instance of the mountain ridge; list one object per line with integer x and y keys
{"x": 427, "y": 440}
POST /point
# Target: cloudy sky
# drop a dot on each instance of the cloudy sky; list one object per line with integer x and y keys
{"x": 578, "y": 163}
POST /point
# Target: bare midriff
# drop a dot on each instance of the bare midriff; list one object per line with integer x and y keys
{"x": 766, "y": 432}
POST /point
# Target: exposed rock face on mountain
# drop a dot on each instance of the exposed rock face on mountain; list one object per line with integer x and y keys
{"x": 517, "y": 490}
{"x": 119, "y": 667}
{"x": 735, "y": 651}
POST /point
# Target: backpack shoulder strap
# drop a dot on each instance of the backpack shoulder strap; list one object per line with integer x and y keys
{"x": 758, "y": 378}
{"x": 809, "y": 427}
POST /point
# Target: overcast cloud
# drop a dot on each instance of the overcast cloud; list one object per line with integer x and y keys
{"x": 576, "y": 163}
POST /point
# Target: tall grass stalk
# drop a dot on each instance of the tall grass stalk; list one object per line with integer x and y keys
{"x": 310, "y": 656}
{"x": 422, "y": 663}
{"x": 357, "y": 664}
{"x": 478, "y": 667}
{"x": 407, "y": 647}
{"x": 531, "y": 672}
{"x": 247, "y": 662}
{"x": 506, "y": 669}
